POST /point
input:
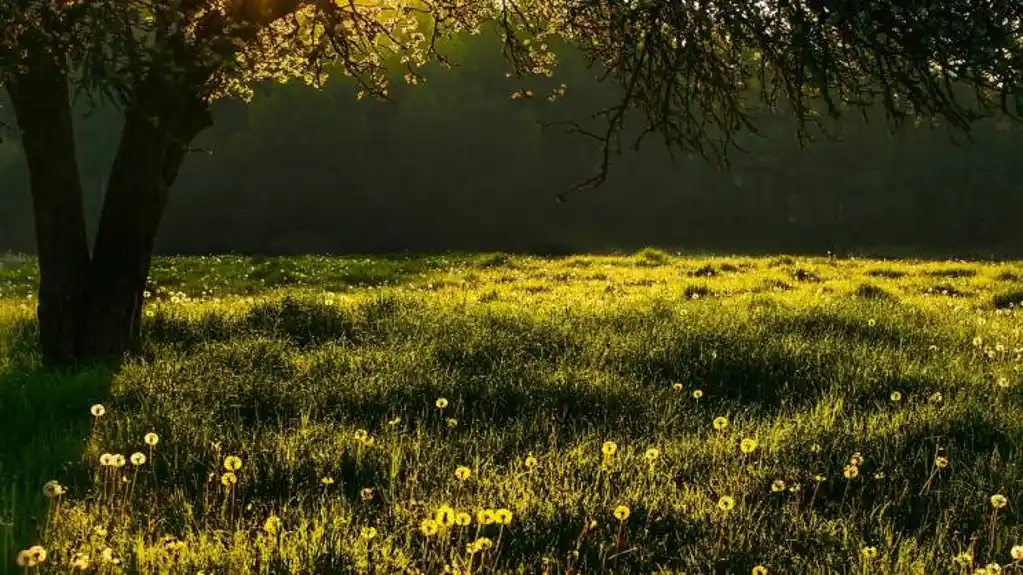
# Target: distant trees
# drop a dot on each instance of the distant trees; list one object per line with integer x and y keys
{"x": 686, "y": 69}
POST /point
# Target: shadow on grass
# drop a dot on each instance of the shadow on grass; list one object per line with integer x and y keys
{"x": 44, "y": 422}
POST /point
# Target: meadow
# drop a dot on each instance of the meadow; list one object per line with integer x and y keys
{"x": 491, "y": 413}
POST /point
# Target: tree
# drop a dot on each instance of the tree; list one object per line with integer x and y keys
{"x": 685, "y": 67}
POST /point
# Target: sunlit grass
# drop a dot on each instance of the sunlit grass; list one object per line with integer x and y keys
{"x": 499, "y": 413}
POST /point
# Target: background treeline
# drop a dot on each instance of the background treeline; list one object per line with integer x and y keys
{"x": 457, "y": 164}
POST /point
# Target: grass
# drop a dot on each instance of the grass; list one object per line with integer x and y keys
{"x": 883, "y": 400}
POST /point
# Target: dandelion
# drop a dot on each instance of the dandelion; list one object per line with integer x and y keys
{"x": 97, "y": 410}
{"x": 1003, "y": 382}
{"x": 1016, "y": 552}
{"x": 328, "y": 480}
{"x": 106, "y": 460}
{"x": 998, "y": 501}
{"x": 272, "y": 524}
{"x": 429, "y": 527}
{"x": 778, "y": 485}
{"x": 819, "y": 478}
{"x": 117, "y": 460}
{"x": 368, "y": 533}
{"x": 485, "y": 516}
{"x": 138, "y": 459}
{"x": 503, "y": 516}
{"x": 361, "y": 435}
{"x": 530, "y": 461}
{"x": 964, "y": 559}
{"x": 37, "y": 554}
{"x": 871, "y": 322}
{"x": 941, "y": 462}
{"x": 24, "y": 559}
{"x": 621, "y": 513}
{"x": 107, "y": 556}
{"x": 609, "y": 448}
{"x": 869, "y": 552}
{"x": 441, "y": 403}
{"x": 444, "y": 515}
{"x": 452, "y": 422}
{"x": 676, "y": 386}
{"x": 367, "y": 493}
{"x": 697, "y": 393}
{"x": 462, "y": 519}
{"x": 232, "y": 463}
{"x": 151, "y": 439}
{"x": 726, "y": 503}
{"x": 795, "y": 488}
{"x": 462, "y": 473}
{"x": 896, "y": 396}
{"x": 52, "y": 489}
{"x": 80, "y": 562}
{"x": 748, "y": 445}
{"x": 856, "y": 459}
{"x": 652, "y": 454}
{"x": 228, "y": 479}
{"x": 851, "y": 472}
{"x": 992, "y": 569}
{"x": 760, "y": 570}
{"x": 720, "y": 423}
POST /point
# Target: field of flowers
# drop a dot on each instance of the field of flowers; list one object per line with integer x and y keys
{"x": 510, "y": 414}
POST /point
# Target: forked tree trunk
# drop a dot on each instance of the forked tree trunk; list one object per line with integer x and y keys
{"x": 43, "y": 112}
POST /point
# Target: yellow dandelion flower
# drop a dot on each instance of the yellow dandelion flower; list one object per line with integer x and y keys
{"x": 462, "y": 473}
{"x": 106, "y": 460}
{"x": 871, "y": 322}
{"x": 778, "y": 485}
{"x": 652, "y": 454}
{"x": 429, "y": 527}
{"x": 676, "y": 386}
{"x": 992, "y": 569}
{"x": 483, "y": 543}
{"x": 368, "y": 533}
{"x": 964, "y": 559}
{"x": 869, "y": 552}
{"x": 795, "y": 488}
{"x": 328, "y": 480}
{"x": 998, "y": 501}
{"x": 80, "y": 562}
{"x": 441, "y": 403}
{"x": 151, "y": 439}
{"x": 697, "y": 393}
{"x": 621, "y": 513}
{"x": 856, "y": 459}
{"x": 228, "y": 478}
{"x": 760, "y": 570}
{"x": 107, "y": 556}
{"x": 941, "y": 462}
{"x": 748, "y": 445}
{"x": 1003, "y": 382}
{"x": 37, "y": 554}
{"x": 851, "y": 472}
{"x": 609, "y": 448}
{"x": 819, "y": 478}
{"x": 452, "y": 422}
{"x": 720, "y": 423}
{"x": 1016, "y": 552}
{"x": 444, "y": 515}
{"x": 367, "y": 493}
{"x": 462, "y": 518}
{"x": 232, "y": 463}
{"x": 726, "y": 503}
{"x": 117, "y": 460}
{"x": 530, "y": 461}
{"x": 361, "y": 435}
{"x": 272, "y": 524}
{"x": 503, "y": 516}
{"x": 896, "y": 396}
{"x": 24, "y": 559}
{"x": 138, "y": 459}
{"x": 53, "y": 489}
{"x": 485, "y": 516}
{"x": 97, "y": 410}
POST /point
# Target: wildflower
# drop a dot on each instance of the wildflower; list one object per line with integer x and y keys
{"x": 441, "y": 403}
{"x": 368, "y": 533}
{"x": 856, "y": 459}
{"x": 138, "y": 459}
{"x": 452, "y": 422}
{"x": 871, "y": 322}
{"x": 151, "y": 439}
{"x": 621, "y": 513}
{"x": 896, "y": 396}
{"x": 941, "y": 462}
{"x": 229, "y": 479}
{"x": 697, "y": 393}
{"x": 481, "y": 544}
{"x": 117, "y": 460}
{"x": 37, "y": 554}
{"x": 652, "y": 454}
{"x": 778, "y": 485}
{"x": 97, "y": 410}
{"x": 107, "y": 556}
{"x": 869, "y": 552}
{"x": 80, "y": 562}
{"x": 748, "y": 445}
{"x": 328, "y": 480}
{"x": 361, "y": 435}
{"x": 1003, "y": 382}
{"x": 485, "y": 516}
{"x": 429, "y": 527}
{"x": 819, "y": 478}
{"x": 272, "y": 524}
{"x": 530, "y": 461}
{"x": 444, "y": 515}
{"x": 609, "y": 448}
{"x": 1016, "y": 552}
{"x": 106, "y": 460}
{"x": 676, "y": 386}
{"x": 367, "y": 493}
{"x": 998, "y": 501}
{"x": 726, "y": 503}
{"x": 462, "y": 519}
{"x": 232, "y": 463}
{"x": 24, "y": 559}
{"x": 462, "y": 473}
{"x": 720, "y": 423}
{"x": 760, "y": 570}
{"x": 503, "y": 516}
{"x": 964, "y": 559}
{"x": 53, "y": 489}
{"x": 992, "y": 569}
{"x": 851, "y": 472}
{"x": 795, "y": 488}
{"x": 977, "y": 341}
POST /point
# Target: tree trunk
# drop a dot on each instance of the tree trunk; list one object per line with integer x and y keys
{"x": 43, "y": 112}
{"x": 152, "y": 148}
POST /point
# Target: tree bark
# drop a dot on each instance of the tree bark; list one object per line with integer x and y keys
{"x": 152, "y": 148}
{"x": 43, "y": 111}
